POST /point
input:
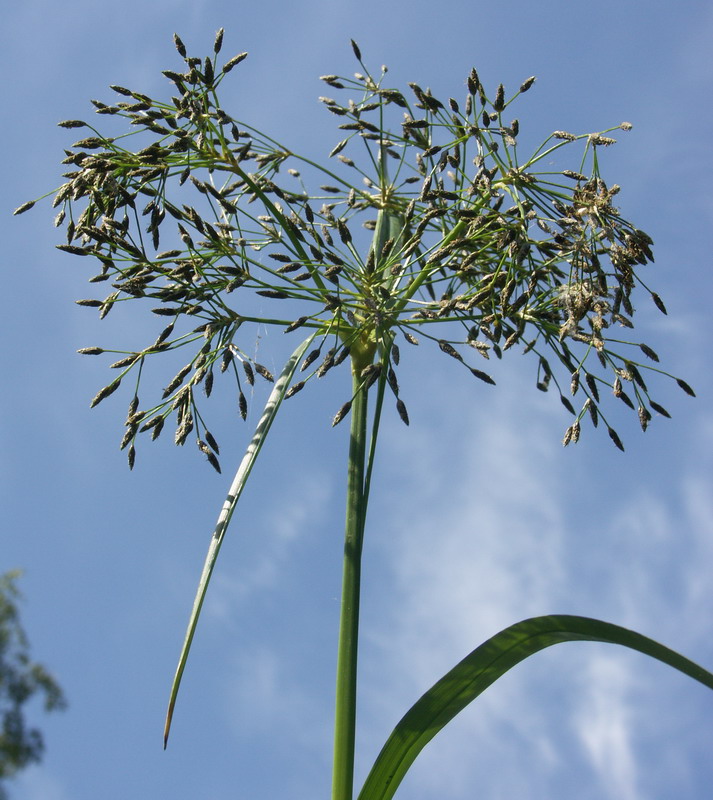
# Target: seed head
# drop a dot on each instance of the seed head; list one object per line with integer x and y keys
{"x": 526, "y": 84}
{"x": 615, "y": 438}
{"x": 401, "y": 408}
{"x": 686, "y": 388}
{"x": 499, "y": 102}
{"x": 242, "y": 405}
{"x": 105, "y": 392}
{"x": 264, "y": 372}
{"x": 24, "y": 207}
{"x": 647, "y": 351}
{"x": 218, "y": 41}
{"x": 233, "y": 62}
{"x": 343, "y": 411}
{"x": 179, "y": 45}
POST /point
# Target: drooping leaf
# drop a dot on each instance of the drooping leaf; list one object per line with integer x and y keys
{"x": 459, "y": 687}
{"x": 236, "y": 488}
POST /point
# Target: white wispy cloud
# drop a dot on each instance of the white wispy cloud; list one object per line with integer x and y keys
{"x": 602, "y": 721}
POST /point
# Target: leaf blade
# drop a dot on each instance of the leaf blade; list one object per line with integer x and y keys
{"x": 482, "y": 667}
{"x": 268, "y": 415}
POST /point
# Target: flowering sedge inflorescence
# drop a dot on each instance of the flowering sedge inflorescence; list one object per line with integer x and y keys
{"x": 472, "y": 247}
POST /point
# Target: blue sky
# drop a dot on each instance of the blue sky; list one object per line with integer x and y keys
{"x": 478, "y": 517}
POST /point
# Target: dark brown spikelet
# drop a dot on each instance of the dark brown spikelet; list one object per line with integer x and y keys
{"x": 226, "y": 359}
{"x": 566, "y": 403}
{"x": 73, "y": 249}
{"x": 122, "y": 90}
{"x": 296, "y": 387}
{"x": 686, "y": 388}
{"x": 208, "y": 73}
{"x": 131, "y": 455}
{"x": 659, "y": 409}
{"x": 73, "y": 123}
{"x": 568, "y": 434}
{"x": 105, "y": 392}
{"x": 296, "y": 324}
{"x": 370, "y": 373}
{"x": 357, "y": 51}
{"x": 483, "y": 376}
{"x": 213, "y": 461}
{"x": 401, "y": 408}
{"x": 234, "y": 61}
{"x": 124, "y": 362}
{"x": 337, "y": 149}
{"x": 208, "y": 383}
{"x": 449, "y": 350}
{"x": 264, "y": 372}
{"x": 165, "y": 333}
{"x": 152, "y": 423}
{"x": 309, "y": 359}
{"x": 157, "y": 428}
{"x": 614, "y": 436}
{"x": 327, "y": 363}
{"x": 218, "y": 41}
{"x": 393, "y": 382}
{"x": 592, "y": 385}
{"x": 499, "y": 102}
{"x": 24, "y": 207}
{"x": 179, "y": 45}
{"x": 644, "y": 417}
{"x": 624, "y": 397}
{"x": 647, "y": 351}
{"x": 343, "y": 411}
{"x": 209, "y": 454}
{"x": 574, "y": 383}
{"x": 593, "y": 412}
{"x": 527, "y": 83}
{"x": 177, "y": 381}
{"x": 341, "y": 356}
{"x": 242, "y": 405}
{"x": 344, "y": 233}
{"x": 249, "y": 374}
{"x": 658, "y": 302}
{"x": 128, "y": 437}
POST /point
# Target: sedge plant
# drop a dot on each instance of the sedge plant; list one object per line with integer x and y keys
{"x": 425, "y": 226}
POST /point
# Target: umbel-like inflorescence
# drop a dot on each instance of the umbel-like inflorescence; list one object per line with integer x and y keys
{"x": 472, "y": 247}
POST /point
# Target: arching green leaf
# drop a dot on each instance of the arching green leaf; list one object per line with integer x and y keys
{"x": 459, "y": 687}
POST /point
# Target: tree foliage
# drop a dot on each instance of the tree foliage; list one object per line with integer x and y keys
{"x": 20, "y": 680}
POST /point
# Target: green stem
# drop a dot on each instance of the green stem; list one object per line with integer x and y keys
{"x": 345, "y": 705}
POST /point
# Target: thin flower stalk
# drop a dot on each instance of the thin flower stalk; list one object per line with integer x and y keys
{"x": 347, "y": 648}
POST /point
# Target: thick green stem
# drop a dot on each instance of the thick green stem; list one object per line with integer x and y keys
{"x": 345, "y": 706}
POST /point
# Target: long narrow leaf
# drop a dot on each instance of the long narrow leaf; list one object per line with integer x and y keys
{"x": 452, "y": 693}
{"x": 226, "y": 512}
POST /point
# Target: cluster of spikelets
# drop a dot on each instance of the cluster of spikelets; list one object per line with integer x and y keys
{"x": 432, "y": 228}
